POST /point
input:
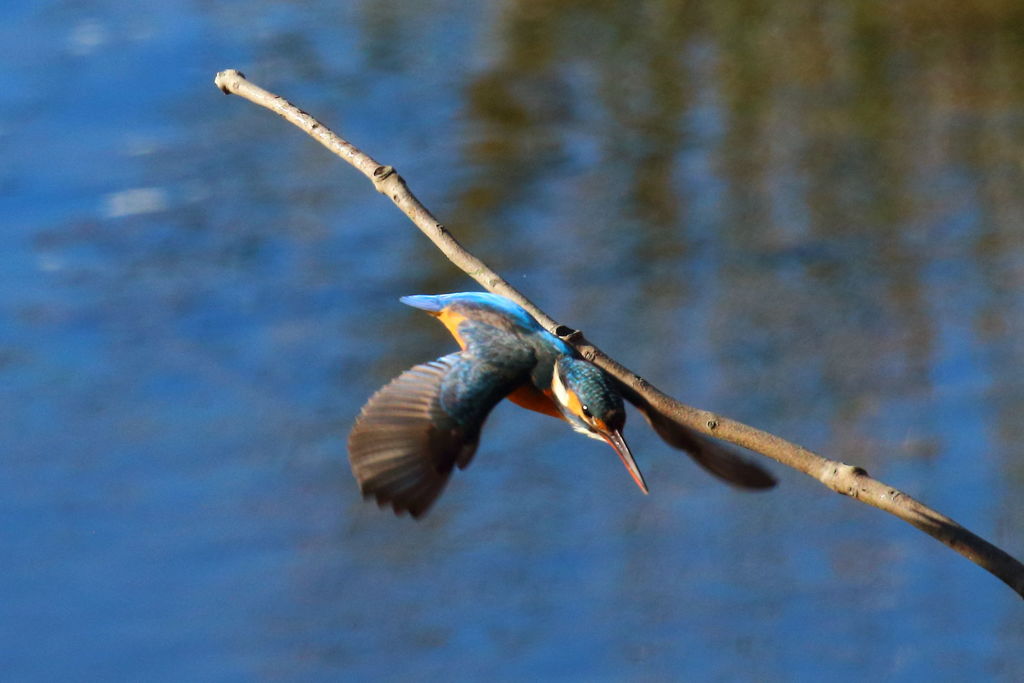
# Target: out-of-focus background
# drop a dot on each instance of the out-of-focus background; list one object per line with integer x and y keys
{"x": 808, "y": 216}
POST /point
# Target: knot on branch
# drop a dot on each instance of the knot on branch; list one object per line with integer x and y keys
{"x": 577, "y": 340}
{"x": 383, "y": 172}
{"x": 846, "y": 479}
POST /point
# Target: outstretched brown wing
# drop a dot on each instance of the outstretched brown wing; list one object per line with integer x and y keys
{"x": 715, "y": 457}
{"x": 412, "y": 433}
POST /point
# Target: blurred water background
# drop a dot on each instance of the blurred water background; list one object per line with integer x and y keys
{"x": 808, "y": 216}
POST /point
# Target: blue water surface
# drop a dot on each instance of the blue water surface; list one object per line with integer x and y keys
{"x": 806, "y": 217}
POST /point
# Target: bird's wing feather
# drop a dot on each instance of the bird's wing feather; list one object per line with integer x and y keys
{"x": 712, "y": 455}
{"x": 416, "y": 429}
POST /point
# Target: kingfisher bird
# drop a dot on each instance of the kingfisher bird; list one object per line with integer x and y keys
{"x": 416, "y": 429}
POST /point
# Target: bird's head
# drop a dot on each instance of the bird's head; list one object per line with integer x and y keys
{"x": 590, "y": 402}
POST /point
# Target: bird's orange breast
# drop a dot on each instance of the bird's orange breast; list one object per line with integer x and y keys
{"x": 530, "y": 397}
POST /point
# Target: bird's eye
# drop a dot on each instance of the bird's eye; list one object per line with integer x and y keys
{"x": 586, "y": 411}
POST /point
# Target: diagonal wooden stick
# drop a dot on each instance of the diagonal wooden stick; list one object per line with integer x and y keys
{"x": 841, "y": 478}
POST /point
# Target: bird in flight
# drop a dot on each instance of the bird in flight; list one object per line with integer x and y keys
{"x": 426, "y": 422}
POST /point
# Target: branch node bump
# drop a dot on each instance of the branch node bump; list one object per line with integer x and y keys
{"x": 382, "y": 172}
{"x": 575, "y": 338}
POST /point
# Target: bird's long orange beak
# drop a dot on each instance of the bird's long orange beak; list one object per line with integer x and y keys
{"x": 615, "y": 440}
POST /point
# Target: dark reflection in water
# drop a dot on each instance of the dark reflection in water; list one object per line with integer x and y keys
{"x": 805, "y": 215}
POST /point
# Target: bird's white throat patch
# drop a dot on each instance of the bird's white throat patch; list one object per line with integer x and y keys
{"x": 560, "y": 393}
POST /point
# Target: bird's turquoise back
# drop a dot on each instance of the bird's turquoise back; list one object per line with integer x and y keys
{"x": 489, "y": 325}
{"x": 483, "y": 310}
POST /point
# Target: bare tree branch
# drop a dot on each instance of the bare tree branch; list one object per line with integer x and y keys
{"x": 841, "y": 478}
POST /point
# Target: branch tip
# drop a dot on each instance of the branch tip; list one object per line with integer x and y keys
{"x": 221, "y": 80}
